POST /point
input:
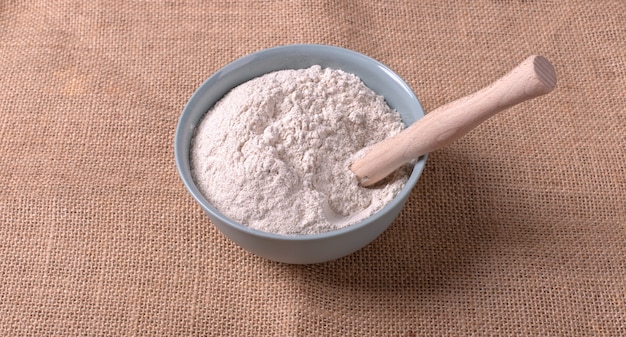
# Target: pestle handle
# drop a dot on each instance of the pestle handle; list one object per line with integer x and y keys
{"x": 534, "y": 77}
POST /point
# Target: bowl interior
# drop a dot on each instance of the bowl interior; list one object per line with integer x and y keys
{"x": 375, "y": 75}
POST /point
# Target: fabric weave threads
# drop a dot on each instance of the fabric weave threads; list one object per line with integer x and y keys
{"x": 516, "y": 229}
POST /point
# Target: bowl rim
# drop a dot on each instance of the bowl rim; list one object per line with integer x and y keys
{"x": 190, "y": 184}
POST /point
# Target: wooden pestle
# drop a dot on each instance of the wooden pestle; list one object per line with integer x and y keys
{"x": 534, "y": 77}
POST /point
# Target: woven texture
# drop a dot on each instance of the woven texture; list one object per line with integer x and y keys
{"x": 518, "y": 229}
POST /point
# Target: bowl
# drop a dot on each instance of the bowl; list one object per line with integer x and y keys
{"x": 298, "y": 249}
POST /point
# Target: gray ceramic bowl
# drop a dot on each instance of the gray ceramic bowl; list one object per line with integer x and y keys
{"x": 301, "y": 249}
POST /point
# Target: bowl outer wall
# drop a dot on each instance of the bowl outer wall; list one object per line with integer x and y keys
{"x": 299, "y": 249}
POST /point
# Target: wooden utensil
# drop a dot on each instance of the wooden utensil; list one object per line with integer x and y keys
{"x": 534, "y": 77}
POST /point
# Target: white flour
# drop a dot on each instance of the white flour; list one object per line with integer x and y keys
{"x": 272, "y": 149}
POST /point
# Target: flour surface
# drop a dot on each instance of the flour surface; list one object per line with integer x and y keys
{"x": 274, "y": 148}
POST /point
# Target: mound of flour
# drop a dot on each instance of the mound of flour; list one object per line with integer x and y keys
{"x": 274, "y": 148}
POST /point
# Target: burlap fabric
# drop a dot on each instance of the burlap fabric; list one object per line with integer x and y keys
{"x": 518, "y": 229}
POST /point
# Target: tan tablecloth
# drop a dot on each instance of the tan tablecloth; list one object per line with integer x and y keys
{"x": 518, "y": 229}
